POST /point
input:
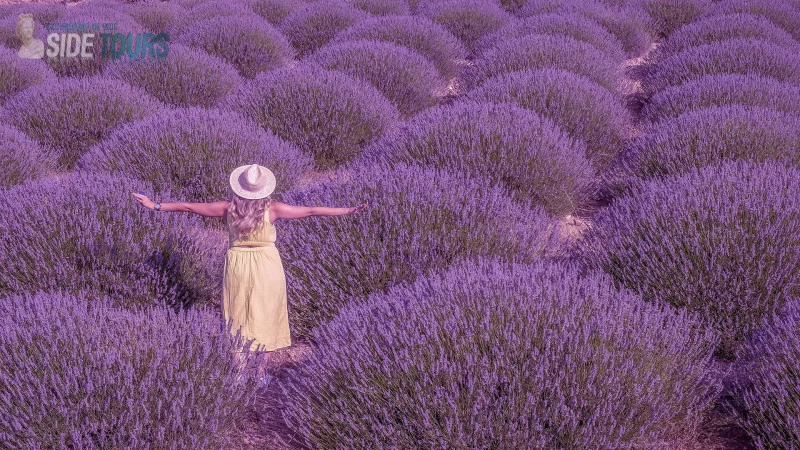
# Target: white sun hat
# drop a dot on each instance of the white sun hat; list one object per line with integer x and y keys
{"x": 252, "y": 181}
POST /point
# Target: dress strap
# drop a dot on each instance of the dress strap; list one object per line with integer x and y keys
{"x": 266, "y": 217}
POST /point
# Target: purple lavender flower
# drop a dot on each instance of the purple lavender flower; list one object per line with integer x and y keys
{"x": 711, "y": 135}
{"x": 419, "y": 219}
{"x": 403, "y": 75}
{"x": 338, "y": 117}
{"x": 581, "y": 107}
{"x": 769, "y": 391}
{"x": 761, "y": 58}
{"x": 494, "y": 354}
{"x": 156, "y": 17}
{"x": 21, "y": 158}
{"x": 275, "y": 11}
{"x": 73, "y": 232}
{"x": 782, "y": 13}
{"x": 205, "y": 10}
{"x": 628, "y": 24}
{"x": 70, "y": 115}
{"x": 508, "y": 146}
{"x": 469, "y": 20}
{"x": 720, "y": 241}
{"x": 383, "y": 7}
{"x": 418, "y": 33}
{"x": 42, "y": 12}
{"x": 724, "y": 27}
{"x": 539, "y": 51}
{"x": 251, "y": 44}
{"x": 315, "y": 24}
{"x": 196, "y": 149}
{"x": 80, "y": 373}
{"x": 185, "y": 77}
{"x": 668, "y": 16}
{"x": 19, "y": 74}
{"x": 576, "y": 26}
{"x": 722, "y": 90}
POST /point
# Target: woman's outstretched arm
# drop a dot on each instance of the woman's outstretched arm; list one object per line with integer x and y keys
{"x": 213, "y": 209}
{"x": 285, "y": 211}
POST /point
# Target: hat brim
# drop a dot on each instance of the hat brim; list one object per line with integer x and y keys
{"x": 252, "y": 195}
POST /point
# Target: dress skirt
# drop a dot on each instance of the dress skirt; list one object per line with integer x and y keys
{"x": 254, "y": 296}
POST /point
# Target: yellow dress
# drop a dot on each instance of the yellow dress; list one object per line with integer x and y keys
{"x": 254, "y": 288}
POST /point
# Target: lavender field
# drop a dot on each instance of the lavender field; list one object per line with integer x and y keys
{"x": 583, "y": 228}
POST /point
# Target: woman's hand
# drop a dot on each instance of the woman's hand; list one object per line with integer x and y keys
{"x": 357, "y": 208}
{"x": 144, "y": 200}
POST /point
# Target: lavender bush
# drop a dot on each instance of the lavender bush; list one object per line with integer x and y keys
{"x": 504, "y": 144}
{"x": 543, "y": 51}
{"x": 81, "y": 374}
{"x": 668, "y": 16}
{"x": 185, "y": 77}
{"x": 43, "y": 13}
{"x": 721, "y": 28}
{"x": 419, "y": 219}
{"x": 512, "y": 6}
{"x": 250, "y": 44}
{"x": 210, "y": 9}
{"x": 770, "y": 393}
{"x": 468, "y": 20}
{"x": 189, "y": 4}
{"x": 490, "y": 354}
{"x": 629, "y": 25}
{"x": 721, "y": 90}
{"x": 21, "y": 158}
{"x": 581, "y": 107}
{"x": 417, "y": 33}
{"x": 328, "y": 114}
{"x": 18, "y": 74}
{"x": 616, "y": 3}
{"x": 576, "y": 26}
{"x": 382, "y": 7}
{"x": 113, "y": 3}
{"x": 762, "y": 58}
{"x": 195, "y": 149}
{"x": 86, "y": 231}
{"x": 721, "y": 241}
{"x": 70, "y": 115}
{"x": 156, "y": 17}
{"x": 717, "y": 133}
{"x": 315, "y": 24}
{"x": 275, "y": 11}
{"x": 783, "y": 13}
{"x": 403, "y": 75}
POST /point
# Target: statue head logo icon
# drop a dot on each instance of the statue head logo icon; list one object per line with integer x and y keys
{"x": 31, "y": 48}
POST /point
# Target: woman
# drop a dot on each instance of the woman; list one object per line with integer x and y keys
{"x": 254, "y": 283}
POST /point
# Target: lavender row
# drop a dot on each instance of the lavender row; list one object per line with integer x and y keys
{"x": 421, "y": 220}
{"x": 84, "y": 374}
{"x": 82, "y": 238}
{"x": 498, "y": 354}
{"x": 767, "y": 399}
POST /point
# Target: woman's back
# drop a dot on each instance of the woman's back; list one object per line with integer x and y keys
{"x": 264, "y": 235}
{"x": 254, "y": 288}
